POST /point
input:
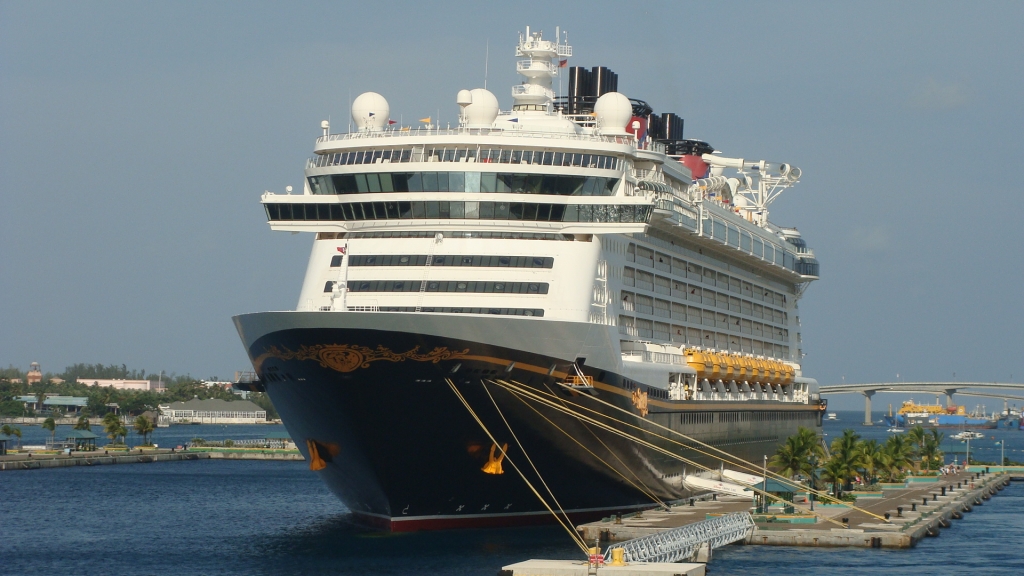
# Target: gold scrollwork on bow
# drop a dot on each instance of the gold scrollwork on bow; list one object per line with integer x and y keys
{"x": 640, "y": 401}
{"x": 349, "y": 357}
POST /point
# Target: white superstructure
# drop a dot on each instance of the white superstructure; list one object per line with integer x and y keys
{"x": 577, "y": 217}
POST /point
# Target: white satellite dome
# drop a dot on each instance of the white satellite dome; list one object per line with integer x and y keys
{"x": 481, "y": 108}
{"x": 370, "y": 112}
{"x": 613, "y": 112}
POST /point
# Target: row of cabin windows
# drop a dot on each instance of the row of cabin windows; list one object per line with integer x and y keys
{"x": 467, "y": 154}
{"x": 699, "y": 295}
{"x": 683, "y": 269}
{"x": 447, "y": 260}
{"x": 485, "y": 182}
{"x": 357, "y": 211}
{"x": 690, "y": 336}
{"x": 479, "y": 287}
{"x": 643, "y": 304}
{"x": 446, "y": 310}
{"x": 449, "y": 234}
{"x": 753, "y": 416}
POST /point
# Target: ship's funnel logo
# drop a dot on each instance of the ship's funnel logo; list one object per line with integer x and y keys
{"x": 493, "y": 465}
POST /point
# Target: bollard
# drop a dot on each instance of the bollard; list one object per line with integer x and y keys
{"x": 913, "y": 507}
{"x": 934, "y": 496}
{"x": 958, "y": 485}
{"x": 924, "y": 501}
{"x": 899, "y": 511}
{"x": 886, "y": 515}
{"x": 943, "y": 490}
{"x": 691, "y": 502}
{"x": 714, "y": 497}
{"x": 846, "y": 521}
{"x": 617, "y": 557}
{"x": 618, "y": 518}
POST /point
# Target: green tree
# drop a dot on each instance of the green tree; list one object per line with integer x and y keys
{"x": 870, "y": 457}
{"x": 835, "y": 471}
{"x": 6, "y": 430}
{"x": 916, "y": 435}
{"x": 83, "y": 423}
{"x": 798, "y": 453}
{"x": 845, "y": 454}
{"x": 930, "y": 453}
{"x": 51, "y": 425}
{"x": 897, "y": 455}
{"x": 113, "y": 427}
{"x": 144, "y": 427}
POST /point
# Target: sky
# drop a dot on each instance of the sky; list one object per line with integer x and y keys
{"x": 136, "y": 139}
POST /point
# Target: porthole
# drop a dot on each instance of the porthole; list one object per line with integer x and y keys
{"x": 404, "y": 260}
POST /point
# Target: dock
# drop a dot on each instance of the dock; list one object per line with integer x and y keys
{"x": 916, "y": 510}
{"x": 37, "y": 461}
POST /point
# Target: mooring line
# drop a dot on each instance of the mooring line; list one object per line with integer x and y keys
{"x": 646, "y": 492}
{"x": 572, "y": 533}
{"x": 733, "y": 460}
{"x": 657, "y": 448}
{"x": 528, "y": 459}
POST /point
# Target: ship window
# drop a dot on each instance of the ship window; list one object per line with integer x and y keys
{"x": 336, "y": 260}
{"x": 745, "y": 241}
{"x": 329, "y": 286}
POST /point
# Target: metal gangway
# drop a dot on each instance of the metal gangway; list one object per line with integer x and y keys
{"x": 683, "y": 543}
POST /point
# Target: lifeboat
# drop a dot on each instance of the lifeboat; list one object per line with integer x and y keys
{"x": 718, "y": 366}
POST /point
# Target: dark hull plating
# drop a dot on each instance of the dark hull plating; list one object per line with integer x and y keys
{"x": 403, "y": 453}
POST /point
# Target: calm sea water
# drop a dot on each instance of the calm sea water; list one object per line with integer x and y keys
{"x": 228, "y": 518}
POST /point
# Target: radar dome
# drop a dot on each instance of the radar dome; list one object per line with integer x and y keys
{"x": 370, "y": 111}
{"x": 613, "y": 111}
{"x": 481, "y": 110}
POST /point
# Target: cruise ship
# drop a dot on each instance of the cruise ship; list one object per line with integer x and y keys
{"x": 576, "y": 249}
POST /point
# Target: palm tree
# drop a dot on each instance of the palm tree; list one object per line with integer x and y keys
{"x": 112, "y": 426}
{"x": 83, "y": 423}
{"x": 51, "y": 425}
{"x": 916, "y": 436}
{"x": 144, "y": 426}
{"x": 844, "y": 451}
{"x": 6, "y": 430}
{"x": 897, "y": 454}
{"x": 834, "y": 471}
{"x": 798, "y": 453}
{"x": 930, "y": 451}
{"x": 791, "y": 457}
{"x": 870, "y": 456}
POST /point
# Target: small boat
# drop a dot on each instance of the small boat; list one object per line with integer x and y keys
{"x": 832, "y": 416}
{"x": 968, "y": 434}
{"x": 896, "y": 430}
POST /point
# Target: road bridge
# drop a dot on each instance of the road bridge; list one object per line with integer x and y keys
{"x": 947, "y": 388}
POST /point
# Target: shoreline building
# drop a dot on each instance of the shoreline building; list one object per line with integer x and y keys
{"x": 213, "y": 412}
{"x": 123, "y": 384}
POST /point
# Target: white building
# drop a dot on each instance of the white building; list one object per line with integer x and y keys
{"x": 213, "y": 412}
{"x": 123, "y": 384}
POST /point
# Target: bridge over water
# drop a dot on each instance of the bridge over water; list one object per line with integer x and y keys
{"x": 977, "y": 389}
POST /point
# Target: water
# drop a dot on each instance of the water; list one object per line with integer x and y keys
{"x": 276, "y": 518}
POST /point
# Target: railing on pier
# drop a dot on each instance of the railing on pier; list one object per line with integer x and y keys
{"x": 679, "y": 544}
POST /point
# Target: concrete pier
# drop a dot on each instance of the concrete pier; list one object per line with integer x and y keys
{"x": 39, "y": 461}
{"x": 917, "y": 510}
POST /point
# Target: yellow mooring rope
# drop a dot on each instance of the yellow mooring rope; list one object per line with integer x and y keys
{"x": 572, "y": 533}
{"x": 530, "y": 394}
{"x": 731, "y": 459}
{"x": 646, "y": 491}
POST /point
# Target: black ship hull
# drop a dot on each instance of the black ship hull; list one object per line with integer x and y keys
{"x": 373, "y": 409}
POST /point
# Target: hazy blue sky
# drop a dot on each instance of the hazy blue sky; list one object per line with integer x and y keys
{"x": 136, "y": 138}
